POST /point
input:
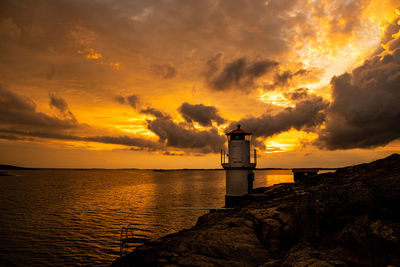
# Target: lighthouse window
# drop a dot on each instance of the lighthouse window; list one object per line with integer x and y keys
{"x": 238, "y": 137}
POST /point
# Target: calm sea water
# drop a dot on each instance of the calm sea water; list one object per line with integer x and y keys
{"x": 74, "y": 217}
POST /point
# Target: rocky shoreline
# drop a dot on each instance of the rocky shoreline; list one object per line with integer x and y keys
{"x": 347, "y": 218}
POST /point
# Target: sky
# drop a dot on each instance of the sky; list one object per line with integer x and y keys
{"x": 157, "y": 84}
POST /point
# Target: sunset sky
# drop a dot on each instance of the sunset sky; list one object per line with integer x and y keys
{"x": 156, "y": 84}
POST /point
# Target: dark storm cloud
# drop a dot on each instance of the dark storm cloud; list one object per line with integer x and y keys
{"x": 387, "y": 39}
{"x": 155, "y": 112}
{"x": 178, "y": 136}
{"x": 212, "y": 66}
{"x": 200, "y": 113}
{"x": 308, "y": 113}
{"x": 166, "y": 70}
{"x": 120, "y": 99}
{"x": 12, "y": 137}
{"x": 391, "y": 28}
{"x": 61, "y": 105}
{"x": 238, "y": 74}
{"x": 282, "y": 79}
{"x": 297, "y": 94}
{"x": 365, "y": 111}
{"x": 133, "y": 101}
{"x": 20, "y": 111}
{"x": 125, "y": 140}
{"x": 58, "y": 102}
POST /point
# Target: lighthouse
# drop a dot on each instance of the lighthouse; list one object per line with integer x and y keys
{"x": 239, "y": 169}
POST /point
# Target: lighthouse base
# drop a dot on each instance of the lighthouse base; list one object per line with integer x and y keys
{"x": 232, "y": 201}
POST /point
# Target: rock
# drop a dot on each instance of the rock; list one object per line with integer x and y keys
{"x": 347, "y": 218}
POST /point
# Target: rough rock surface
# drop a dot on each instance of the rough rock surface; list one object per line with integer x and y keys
{"x": 347, "y": 218}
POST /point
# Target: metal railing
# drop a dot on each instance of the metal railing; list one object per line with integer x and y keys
{"x": 128, "y": 238}
{"x": 224, "y": 156}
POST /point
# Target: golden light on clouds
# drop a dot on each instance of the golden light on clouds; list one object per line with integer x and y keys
{"x": 276, "y": 98}
{"x": 91, "y": 54}
{"x": 275, "y": 147}
{"x": 289, "y": 141}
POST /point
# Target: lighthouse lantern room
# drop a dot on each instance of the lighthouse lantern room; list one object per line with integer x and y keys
{"x": 239, "y": 168}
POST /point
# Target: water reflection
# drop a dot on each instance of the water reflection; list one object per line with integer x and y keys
{"x": 73, "y": 217}
{"x": 271, "y": 177}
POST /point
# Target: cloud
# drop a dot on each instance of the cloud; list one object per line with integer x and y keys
{"x": 212, "y": 66}
{"x": 283, "y": 79}
{"x": 155, "y": 112}
{"x": 365, "y": 111}
{"x": 166, "y": 70}
{"x": 200, "y": 113}
{"x": 308, "y": 113}
{"x": 20, "y": 111}
{"x": 174, "y": 135}
{"x": 120, "y": 99}
{"x": 125, "y": 140}
{"x": 58, "y": 103}
{"x": 133, "y": 101}
{"x": 240, "y": 74}
{"x": 168, "y": 153}
{"x": 140, "y": 143}
{"x": 391, "y": 28}
{"x": 61, "y": 105}
{"x": 298, "y": 94}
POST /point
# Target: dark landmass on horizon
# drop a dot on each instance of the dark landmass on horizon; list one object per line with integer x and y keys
{"x": 12, "y": 167}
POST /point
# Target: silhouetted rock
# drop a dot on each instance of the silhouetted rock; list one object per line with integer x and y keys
{"x": 347, "y": 218}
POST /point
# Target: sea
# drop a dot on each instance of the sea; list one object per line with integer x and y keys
{"x": 61, "y": 217}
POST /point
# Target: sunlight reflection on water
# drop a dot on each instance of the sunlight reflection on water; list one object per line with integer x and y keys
{"x": 74, "y": 217}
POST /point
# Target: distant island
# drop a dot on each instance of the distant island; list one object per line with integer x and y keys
{"x": 11, "y": 167}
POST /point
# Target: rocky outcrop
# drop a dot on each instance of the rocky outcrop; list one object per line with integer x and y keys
{"x": 347, "y": 218}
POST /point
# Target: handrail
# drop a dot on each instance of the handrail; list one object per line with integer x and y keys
{"x": 127, "y": 237}
{"x": 223, "y": 158}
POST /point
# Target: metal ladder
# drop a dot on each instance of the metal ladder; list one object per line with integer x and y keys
{"x": 128, "y": 238}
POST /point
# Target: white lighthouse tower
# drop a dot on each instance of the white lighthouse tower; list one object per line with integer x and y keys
{"x": 239, "y": 169}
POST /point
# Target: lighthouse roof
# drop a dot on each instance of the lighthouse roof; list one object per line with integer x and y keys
{"x": 239, "y": 131}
